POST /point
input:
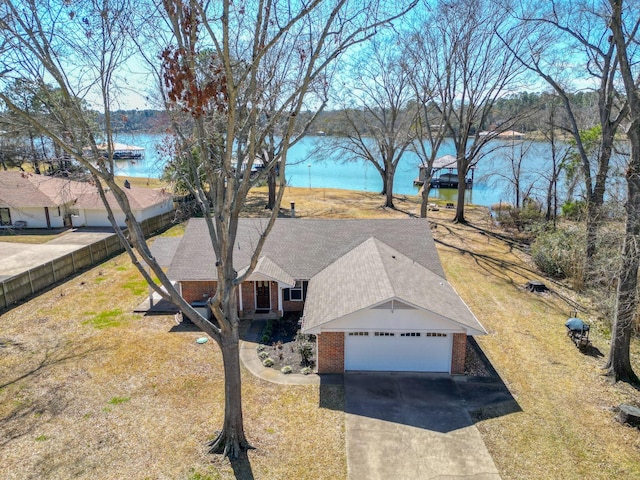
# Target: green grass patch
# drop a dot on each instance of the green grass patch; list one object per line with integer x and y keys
{"x": 196, "y": 475}
{"x": 118, "y": 400}
{"x": 100, "y": 279}
{"x": 41, "y": 438}
{"x": 137, "y": 287}
{"x": 175, "y": 231}
{"x": 106, "y": 319}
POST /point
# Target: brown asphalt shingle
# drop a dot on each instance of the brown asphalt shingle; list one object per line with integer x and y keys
{"x": 21, "y": 189}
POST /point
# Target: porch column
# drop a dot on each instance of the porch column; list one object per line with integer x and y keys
{"x": 280, "y": 298}
{"x": 239, "y": 293}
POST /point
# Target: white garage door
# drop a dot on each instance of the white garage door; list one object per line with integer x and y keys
{"x": 398, "y": 351}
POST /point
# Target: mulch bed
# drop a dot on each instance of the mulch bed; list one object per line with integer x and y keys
{"x": 476, "y": 363}
{"x": 283, "y": 347}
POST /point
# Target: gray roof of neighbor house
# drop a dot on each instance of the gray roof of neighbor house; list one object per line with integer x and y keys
{"x": 21, "y": 189}
{"x": 372, "y": 274}
{"x": 303, "y": 247}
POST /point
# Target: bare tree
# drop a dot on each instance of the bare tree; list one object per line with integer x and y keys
{"x": 624, "y": 23}
{"x": 375, "y": 97}
{"x": 215, "y": 70}
{"x": 515, "y": 176}
{"x": 578, "y": 30}
{"x": 470, "y": 70}
{"x": 559, "y": 154}
{"x": 429, "y": 123}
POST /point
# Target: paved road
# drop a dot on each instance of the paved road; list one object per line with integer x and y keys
{"x": 411, "y": 426}
{"x": 16, "y": 258}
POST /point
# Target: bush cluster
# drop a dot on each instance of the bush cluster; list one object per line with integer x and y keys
{"x": 267, "y": 332}
{"x": 305, "y": 350}
{"x": 558, "y": 253}
{"x": 267, "y": 362}
{"x": 520, "y": 219}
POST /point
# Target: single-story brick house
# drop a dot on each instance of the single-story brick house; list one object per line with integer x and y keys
{"x": 372, "y": 291}
{"x": 42, "y": 201}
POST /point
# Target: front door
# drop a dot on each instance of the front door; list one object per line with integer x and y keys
{"x": 263, "y": 300}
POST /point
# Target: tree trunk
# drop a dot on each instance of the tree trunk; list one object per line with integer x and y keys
{"x": 271, "y": 184}
{"x": 34, "y": 155}
{"x": 462, "y": 187}
{"x": 592, "y": 231}
{"x": 388, "y": 187}
{"x": 619, "y": 364}
{"x": 384, "y": 173}
{"x": 231, "y": 441}
{"x": 425, "y": 198}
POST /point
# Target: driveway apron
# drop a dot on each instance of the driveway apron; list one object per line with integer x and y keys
{"x": 411, "y": 426}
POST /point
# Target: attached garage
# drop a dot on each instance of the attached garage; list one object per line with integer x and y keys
{"x": 375, "y": 309}
{"x": 398, "y": 351}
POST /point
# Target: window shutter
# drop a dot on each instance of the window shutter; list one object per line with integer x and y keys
{"x": 304, "y": 290}
{"x": 285, "y": 294}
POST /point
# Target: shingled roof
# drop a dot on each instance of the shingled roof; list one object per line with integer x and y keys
{"x": 303, "y": 247}
{"x": 372, "y": 274}
{"x": 351, "y": 264}
{"x": 139, "y": 198}
{"x": 22, "y": 189}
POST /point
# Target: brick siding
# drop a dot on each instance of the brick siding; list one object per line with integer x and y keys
{"x": 198, "y": 291}
{"x": 459, "y": 353}
{"x": 330, "y": 352}
{"x": 248, "y": 293}
{"x": 290, "y": 306}
{"x": 248, "y": 296}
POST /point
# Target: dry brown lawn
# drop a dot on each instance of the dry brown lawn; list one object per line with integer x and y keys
{"x": 566, "y": 426}
{"x": 89, "y": 390}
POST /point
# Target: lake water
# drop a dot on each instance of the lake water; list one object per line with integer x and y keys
{"x": 490, "y": 186}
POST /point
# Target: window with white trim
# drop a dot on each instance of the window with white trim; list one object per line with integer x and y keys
{"x": 384, "y": 334}
{"x": 297, "y": 293}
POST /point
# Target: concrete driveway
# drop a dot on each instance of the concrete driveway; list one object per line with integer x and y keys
{"x": 411, "y": 426}
{"x": 16, "y": 258}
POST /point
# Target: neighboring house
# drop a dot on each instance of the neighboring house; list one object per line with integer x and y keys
{"x": 41, "y": 201}
{"x": 372, "y": 291}
{"x": 34, "y": 201}
{"x": 89, "y": 210}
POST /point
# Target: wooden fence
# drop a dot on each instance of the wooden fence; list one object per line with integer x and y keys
{"x": 26, "y": 284}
